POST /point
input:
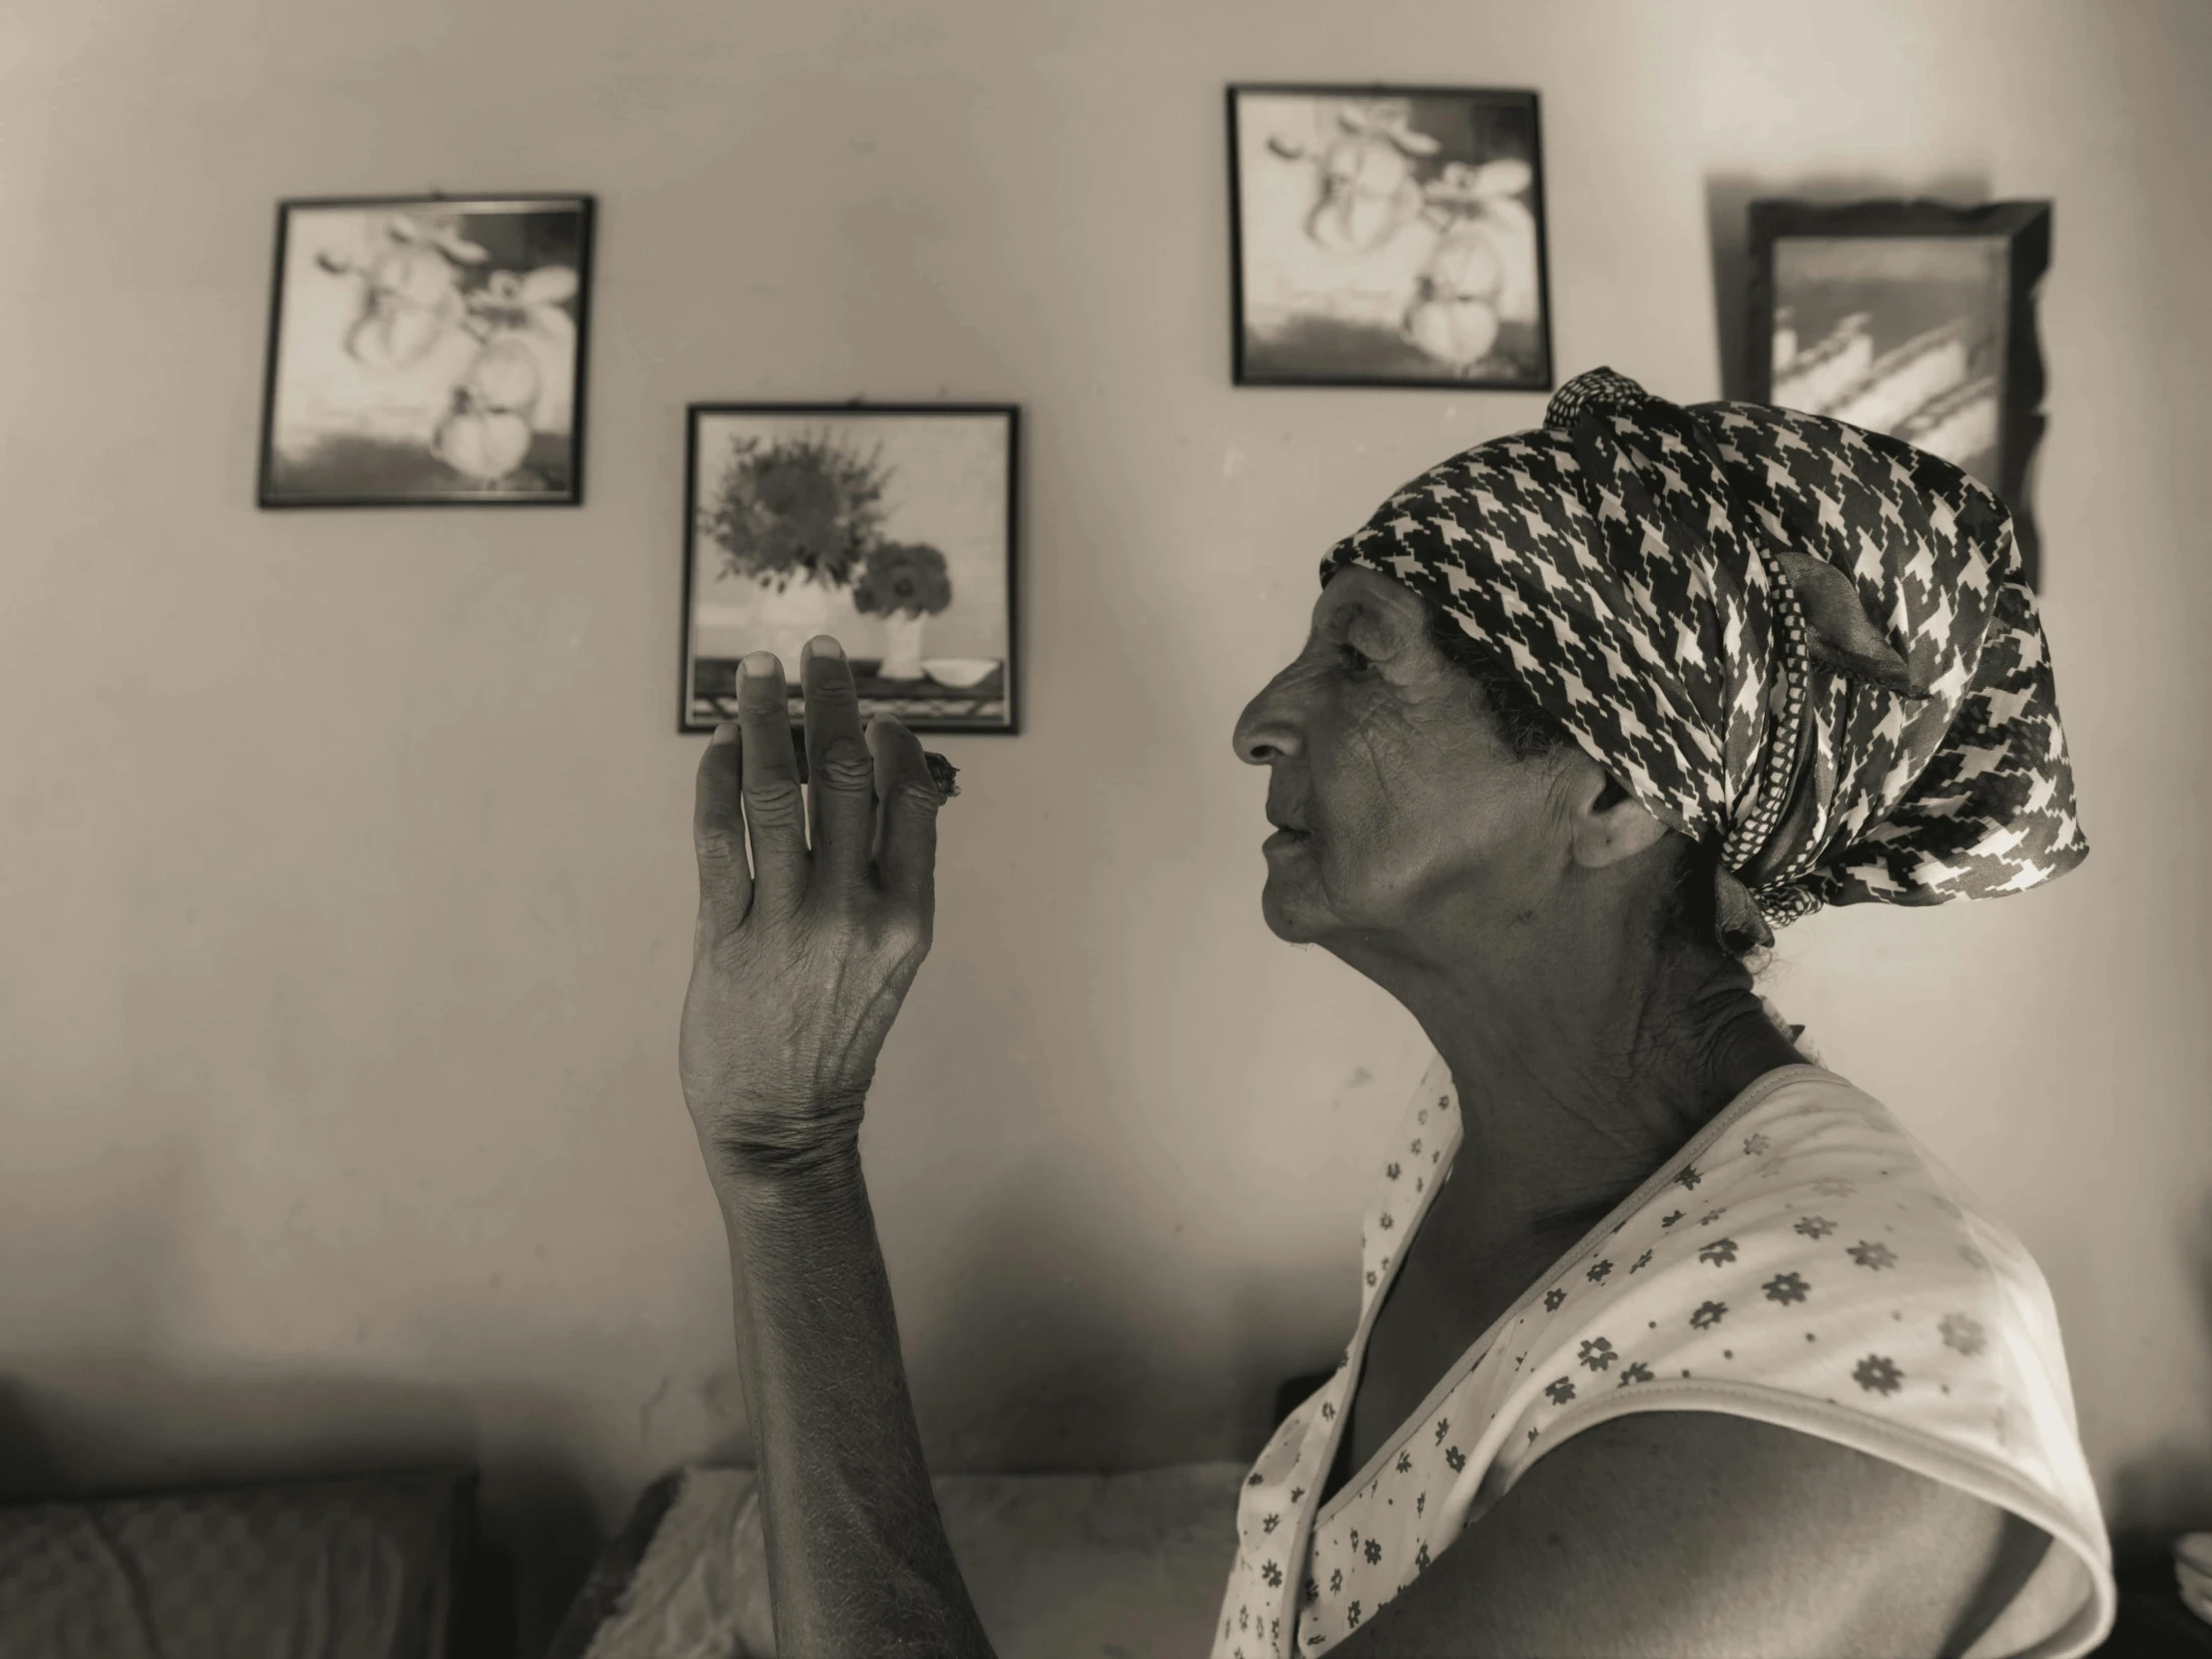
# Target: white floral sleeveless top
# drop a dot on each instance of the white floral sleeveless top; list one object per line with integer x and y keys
{"x": 1802, "y": 1261}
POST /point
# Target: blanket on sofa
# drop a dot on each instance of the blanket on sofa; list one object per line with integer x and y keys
{"x": 1124, "y": 1566}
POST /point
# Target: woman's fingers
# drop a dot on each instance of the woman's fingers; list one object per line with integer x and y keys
{"x": 840, "y": 772}
{"x": 906, "y": 844}
{"x": 717, "y": 837}
{"x": 775, "y": 805}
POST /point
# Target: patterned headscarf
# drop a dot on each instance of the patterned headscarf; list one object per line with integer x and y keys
{"x": 1809, "y": 644}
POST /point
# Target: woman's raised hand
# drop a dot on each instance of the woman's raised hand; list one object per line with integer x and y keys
{"x": 801, "y": 959}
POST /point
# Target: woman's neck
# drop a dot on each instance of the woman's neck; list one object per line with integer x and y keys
{"x": 1581, "y": 1071}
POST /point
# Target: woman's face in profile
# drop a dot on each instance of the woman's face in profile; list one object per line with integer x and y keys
{"x": 1404, "y": 804}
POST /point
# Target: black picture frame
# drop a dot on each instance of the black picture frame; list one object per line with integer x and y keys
{"x": 2017, "y": 255}
{"x": 993, "y": 705}
{"x": 1477, "y": 240}
{"x": 368, "y": 470}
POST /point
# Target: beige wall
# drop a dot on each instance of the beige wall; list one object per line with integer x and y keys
{"x": 344, "y": 857}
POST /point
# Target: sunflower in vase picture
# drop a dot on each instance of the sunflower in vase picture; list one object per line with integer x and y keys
{"x": 888, "y": 527}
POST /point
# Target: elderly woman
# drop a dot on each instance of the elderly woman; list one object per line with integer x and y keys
{"x": 1672, "y": 1341}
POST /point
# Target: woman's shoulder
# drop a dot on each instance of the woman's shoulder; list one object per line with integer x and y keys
{"x": 1803, "y": 1222}
{"x": 1812, "y": 1221}
{"x": 1806, "y": 1262}
{"x": 1811, "y": 1154}
{"x": 1805, "y": 1123}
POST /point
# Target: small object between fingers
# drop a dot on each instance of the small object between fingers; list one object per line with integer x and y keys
{"x": 942, "y": 771}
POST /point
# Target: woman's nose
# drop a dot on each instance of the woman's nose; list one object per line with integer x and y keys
{"x": 1265, "y": 731}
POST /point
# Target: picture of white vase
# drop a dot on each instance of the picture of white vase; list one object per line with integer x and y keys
{"x": 758, "y": 616}
{"x": 902, "y": 647}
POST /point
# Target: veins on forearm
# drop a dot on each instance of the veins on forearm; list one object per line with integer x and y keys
{"x": 859, "y": 1550}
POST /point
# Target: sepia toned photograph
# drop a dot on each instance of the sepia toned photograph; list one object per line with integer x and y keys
{"x": 427, "y": 351}
{"x": 1346, "y": 947}
{"x": 1387, "y": 236}
{"x": 888, "y": 527}
{"x": 1912, "y": 319}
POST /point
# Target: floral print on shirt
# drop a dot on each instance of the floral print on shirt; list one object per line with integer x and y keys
{"x": 1853, "y": 1290}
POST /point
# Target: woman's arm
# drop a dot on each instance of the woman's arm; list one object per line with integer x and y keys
{"x": 1701, "y": 1534}
{"x": 858, "y": 1559}
{"x": 800, "y": 962}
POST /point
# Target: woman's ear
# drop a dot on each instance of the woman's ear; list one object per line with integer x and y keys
{"x": 1606, "y": 825}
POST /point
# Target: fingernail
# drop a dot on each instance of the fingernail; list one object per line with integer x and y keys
{"x": 759, "y": 665}
{"x": 727, "y": 732}
{"x": 824, "y": 645}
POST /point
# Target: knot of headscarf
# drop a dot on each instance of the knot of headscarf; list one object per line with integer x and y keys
{"x": 1804, "y": 644}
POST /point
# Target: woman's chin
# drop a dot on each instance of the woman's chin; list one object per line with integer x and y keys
{"x": 1288, "y": 908}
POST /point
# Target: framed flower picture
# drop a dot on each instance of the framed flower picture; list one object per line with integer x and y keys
{"x": 1387, "y": 236}
{"x": 1913, "y": 318}
{"x": 427, "y": 351}
{"x": 887, "y": 526}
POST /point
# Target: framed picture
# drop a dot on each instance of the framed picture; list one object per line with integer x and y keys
{"x": 428, "y": 351}
{"x": 889, "y": 526}
{"x": 1387, "y": 236}
{"x": 1913, "y": 318}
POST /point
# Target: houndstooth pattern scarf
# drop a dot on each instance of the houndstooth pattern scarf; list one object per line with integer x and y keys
{"x": 1682, "y": 587}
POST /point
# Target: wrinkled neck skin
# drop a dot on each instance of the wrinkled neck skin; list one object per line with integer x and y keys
{"x": 1585, "y": 1050}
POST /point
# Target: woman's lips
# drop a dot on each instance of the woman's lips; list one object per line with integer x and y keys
{"x": 1286, "y": 836}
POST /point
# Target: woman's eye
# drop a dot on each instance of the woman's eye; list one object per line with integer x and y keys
{"x": 1355, "y": 660}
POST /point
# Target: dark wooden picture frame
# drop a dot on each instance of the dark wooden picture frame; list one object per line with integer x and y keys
{"x": 427, "y": 351}
{"x": 1387, "y": 236}
{"x": 1925, "y": 312}
{"x": 800, "y": 499}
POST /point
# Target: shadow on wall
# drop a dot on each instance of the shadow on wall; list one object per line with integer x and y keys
{"x": 1054, "y": 1354}
{"x": 1044, "y": 1361}
{"x": 2168, "y": 1491}
{"x": 129, "y": 1425}
{"x": 1728, "y": 198}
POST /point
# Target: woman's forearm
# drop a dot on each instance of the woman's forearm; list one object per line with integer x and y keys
{"x": 858, "y": 1562}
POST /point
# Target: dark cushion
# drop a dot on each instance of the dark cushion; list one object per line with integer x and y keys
{"x": 363, "y": 1568}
